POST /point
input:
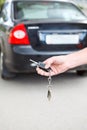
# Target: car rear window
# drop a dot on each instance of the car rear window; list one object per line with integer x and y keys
{"x": 47, "y": 10}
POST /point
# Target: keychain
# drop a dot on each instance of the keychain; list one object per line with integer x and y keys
{"x": 49, "y": 86}
{"x": 42, "y": 66}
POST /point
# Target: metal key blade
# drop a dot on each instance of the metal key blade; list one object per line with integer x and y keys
{"x": 34, "y": 61}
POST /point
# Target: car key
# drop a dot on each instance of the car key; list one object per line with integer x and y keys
{"x": 40, "y": 65}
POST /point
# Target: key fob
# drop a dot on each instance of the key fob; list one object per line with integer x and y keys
{"x": 42, "y": 66}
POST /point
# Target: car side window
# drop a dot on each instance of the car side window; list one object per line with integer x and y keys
{"x": 4, "y": 12}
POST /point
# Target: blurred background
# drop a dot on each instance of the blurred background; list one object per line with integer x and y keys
{"x": 81, "y": 3}
{"x": 1, "y": 2}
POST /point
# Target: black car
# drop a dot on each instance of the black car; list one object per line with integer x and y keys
{"x": 38, "y": 29}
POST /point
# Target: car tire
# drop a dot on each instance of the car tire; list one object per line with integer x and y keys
{"x": 5, "y": 74}
{"x": 81, "y": 72}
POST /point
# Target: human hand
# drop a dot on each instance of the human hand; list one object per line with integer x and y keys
{"x": 60, "y": 64}
{"x": 57, "y": 64}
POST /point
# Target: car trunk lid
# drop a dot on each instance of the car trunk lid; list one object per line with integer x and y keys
{"x": 54, "y": 35}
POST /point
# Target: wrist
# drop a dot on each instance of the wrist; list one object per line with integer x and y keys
{"x": 78, "y": 58}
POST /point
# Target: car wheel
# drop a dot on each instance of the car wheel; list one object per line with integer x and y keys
{"x": 5, "y": 74}
{"x": 81, "y": 72}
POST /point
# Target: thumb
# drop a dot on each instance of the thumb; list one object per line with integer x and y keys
{"x": 49, "y": 62}
{"x": 47, "y": 66}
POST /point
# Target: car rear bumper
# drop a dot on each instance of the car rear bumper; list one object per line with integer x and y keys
{"x": 18, "y": 60}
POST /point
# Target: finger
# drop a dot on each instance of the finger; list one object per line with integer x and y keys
{"x": 41, "y": 72}
{"x": 48, "y": 62}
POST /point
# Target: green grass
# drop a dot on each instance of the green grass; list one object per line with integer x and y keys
{"x": 1, "y": 2}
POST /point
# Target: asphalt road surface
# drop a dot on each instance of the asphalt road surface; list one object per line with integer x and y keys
{"x": 24, "y": 104}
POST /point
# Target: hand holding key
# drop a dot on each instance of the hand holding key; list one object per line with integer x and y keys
{"x": 58, "y": 64}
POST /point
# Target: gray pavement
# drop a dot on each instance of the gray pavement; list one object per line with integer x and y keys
{"x": 24, "y": 105}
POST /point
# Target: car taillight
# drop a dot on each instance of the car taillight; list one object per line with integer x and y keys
{"x": 19, "y": 36}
